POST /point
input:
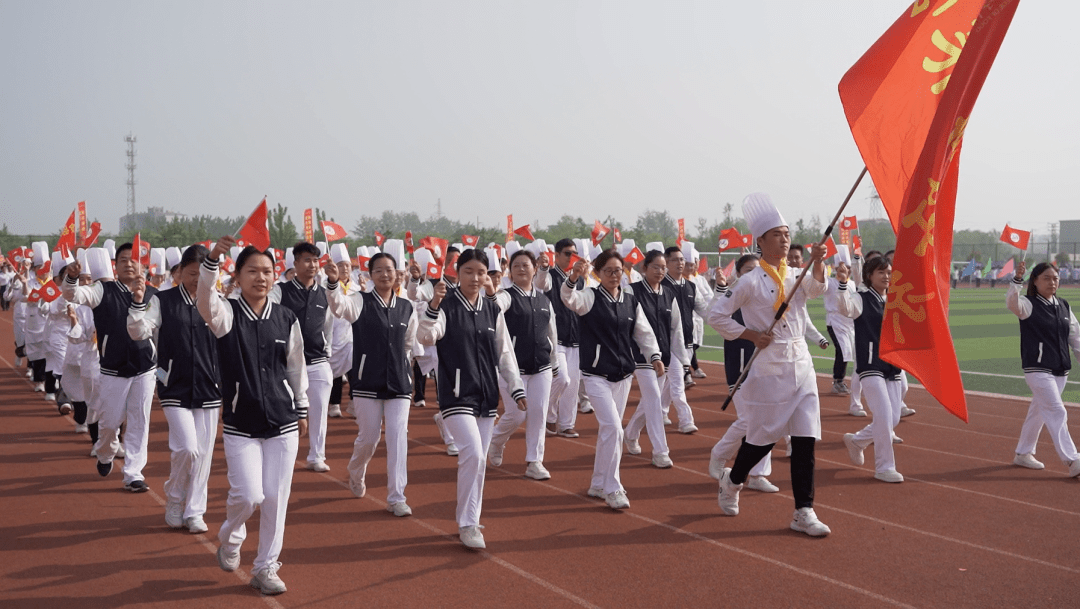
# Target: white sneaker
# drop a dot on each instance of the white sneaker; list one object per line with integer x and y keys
{"x": 667, "y": 420}
{"x": 228, "y": 561}
{"x": 495, "y": 454}
{"x": 81, "y": 429}
{"x": 1028, "y": 461}
{"x": 1074, "y": 468}
{"x": 806, "y": 521}
{"x": 663, "y": 461}
{"x": 39, "y": 387}
{"x": 839, "y": 388}
{"x": 195, "y": 525}
{"x": 174, "y": 514}
{"x": 537, "y": 471}
{"x": 596, "y": 491}
{"x": 334, "y": 411}
{"x": 358, "y": 486}
{"x": 585, "y": 408}
{"x": 471, "y": 537}
{"x": 906, "y": 412}
{"x": 700, "y": 374}
{"x": 897, "y": 439}
{"x": 761, "y": 484}
{"x": 350, "y": 410}
{"x": 716, "y": 467}
{"x": 632, "y": 446}
{"x": 853, "y": 449}
{"x": 399, "y": 509}
{"x": 18, "y": 362}
{"x": 50, "y": 397}
{"x": 267, "y": 581}
{"x": 452, "y": 449}
{"x": 317, "y": 466}
{"x": 618, "y": 500}
{"x": 728, "y": 498}
{"x": 890, "y": 475}
{"x": 93, "y": 452}
{"x": 856, "y": 411}
{"x": 689, "y": 428}
{"x": 120, "y": 452}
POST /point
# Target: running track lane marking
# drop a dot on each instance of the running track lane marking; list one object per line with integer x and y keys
{"x": 865, "y": 517}
{"x": 543, "y": 583}
{"x": 201, "y": 537}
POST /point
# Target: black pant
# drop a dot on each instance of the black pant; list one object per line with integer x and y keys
{"x": 335, "y": 390}
{"x": 802, "y": 467}
{"x": 50, "y": 381}
{"x": 839, "y": 366}
{"x": 4, "y": 304}
{"x": 733, "y": 361}
{"x": 38, "y": 368}
{"x": 693, "y": 359}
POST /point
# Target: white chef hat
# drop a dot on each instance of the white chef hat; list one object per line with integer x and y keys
{"x": 396, "y": 248}
{"x": 110, "y": 248}
{"x": 41, "y": 252}
{"x": 173, "y": 256}
{"x": 81, "y": 257}
{"x": 97, "y": 258}
{"x": 290, "y": 261}
{"x": 760, "y": 214}
{"x": 843, "y": 254}
{"x": 688, "y": 250}
{"x": 626, "y": 247}
{"x": 157, "y": 259}
{"x": 654, "y": 245}
{"x": 493, "y": 256}
{"x": 339, "y": 252}
{"x": 594, "y": 251}
{"x": 323, "y": 248}
{"x": 234, "y": 252}
{"x": 512, "y": 247}
{"x": 58, "y": 263}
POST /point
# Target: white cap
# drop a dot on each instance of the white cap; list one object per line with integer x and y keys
{"x": 58, "y": 263}
{"x": 41, "y": 252}
{"x": 626, "y": 247}
{"x": 512, "y": 247}
{"x": 110, "y": 247}
{"x": 234, "y": 252}
{"x": 290, "y": 262}
{"x": 654, "y": 245}
{"x": 535, "y": 249}
{"x": 81, "y": 256}
{"x": 760, "y": 214}
{"x": 843, "y": 254}
{"x": 493, "y": 258}
{"x": 423, "y": 256}
{"x": 461, "y": 247}
{"x": 594, "y": 251}
{"x": 583, "y": 246}
{"x": 396, "y": 248}
{"x": 173, "y": 256}
{"x": 339, "y": 252}
{"x": 688, "y": 250}
{"x": 157, "y": 258}
{"x": 323, "y": 248}
{"x": 97, "y": 258}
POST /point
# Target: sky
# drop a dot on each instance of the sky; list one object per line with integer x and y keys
{"x": 536, "y": 108}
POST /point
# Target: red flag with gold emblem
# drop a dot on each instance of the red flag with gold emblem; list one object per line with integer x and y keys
{"x": 892, "y": 93}
{"x": 924, "y": 78}
{"x": 66, "y": 243}
{"x": 309, "y": 226}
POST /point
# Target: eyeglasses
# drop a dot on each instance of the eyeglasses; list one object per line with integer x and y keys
{"x": 611, "y": 272}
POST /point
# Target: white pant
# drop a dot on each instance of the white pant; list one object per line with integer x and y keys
{"x": 473, "y": 437}
{"x": 609, "y": 401}
{"x": 320, "y": 382}
{"x": 117, "y": 400}
{"x": 192, "y": 433}
{"x": 370, "y": 414}
{"x": 856, "y": 392}
{"x": 1046, "y": 409}
{"x": 648, "y": 413}
{"x": 537, "y": 393}
{"x": 562, "y": 402}
{"x": 729, "y": 444}
{"x": 260, "y": 475}
{"x": 883, "y": 399}
{"x": 78, "y": 382}
{"x": 675, "y": 393}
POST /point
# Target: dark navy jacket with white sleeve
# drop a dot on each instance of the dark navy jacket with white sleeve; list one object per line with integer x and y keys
{"x": 867, "y": 308}
{"x": 530, "y": 319}
{"x": 1048, "y": 331}
{"x": 118, "y": 353}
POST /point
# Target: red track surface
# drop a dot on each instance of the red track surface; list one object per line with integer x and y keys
{"x": 966, "y": 529}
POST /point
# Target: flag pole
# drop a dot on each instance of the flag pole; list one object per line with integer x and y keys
{"x": 794, "y": 290}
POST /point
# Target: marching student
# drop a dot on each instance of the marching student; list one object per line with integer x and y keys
{"x": 341, "y": 343}
{"x": 706, "y": 291}
{"x": 187, "y": 386}
{"x": 563, "y": 400}
{"x": 57, "y": 325}
{"x": 81, "y": 367}
{"x": 14, "y": 297}
{"x": 736, "y": 353}
{"x": 463, "y": 323}
{"x": 780, "y": 390}
{"x": 1048, "y": 331}
{"x": 126, "y": 387}
{"x": 35, "y": 327}
{"x": 661, "y": 307}
{"x": 612, "y": 321}
{"x": 880, "y": 381}
{"x": 262, "y": 354}
{"x": 306, "y": 298}
{"x": 7, "y": 273}
{"x": 690, "y": 301}
{"x": 530, "y": 319}
{"x": 841, "y": 330}
{"x": 383, "y": 329}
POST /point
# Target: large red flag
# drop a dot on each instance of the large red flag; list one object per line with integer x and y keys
{"x": 256, "y": 231}
{"x": 91, "y": 236}
{"x": 892, "y": 93}
{"x": 917, "y": 55}
{"x": 509, "y": 228}
{"x": 66, "y": 242}
{"x": 682, "y": 232}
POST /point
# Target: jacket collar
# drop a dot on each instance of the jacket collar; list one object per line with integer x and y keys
{"x": 250, "y": 313}
{"x": 468, "y": 305}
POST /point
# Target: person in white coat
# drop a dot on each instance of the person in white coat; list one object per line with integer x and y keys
{"x": 341, "y": 344}
{"x": 842, "y": 331}
{"x": 1048, "y": 332}
{"x": 780, "y": 390}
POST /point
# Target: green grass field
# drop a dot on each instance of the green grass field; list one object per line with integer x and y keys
{"x": 986, "y": 335}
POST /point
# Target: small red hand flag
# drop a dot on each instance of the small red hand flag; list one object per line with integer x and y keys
{"x": 470, "y": 240}
{"x": 379, "y": 238}
{"x": 729, "y": 239}
{"x": 334, "y": 231}
{"x": 849, "y": 223}
{"x": 599, "y": 231}
{"x": 409, "y": 242}
{"x": 256, "y": 231}
{"x": 618, "y": 235}
{"x": 524, "y": 231}
{"x": 635, "y": 256}
{"x": 1016, "y": 237}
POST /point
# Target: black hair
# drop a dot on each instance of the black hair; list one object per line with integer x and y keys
{"x": 532, "y": 258}
{"x": 470, "y": 255}
{"x": 874, "y": 264}
{"x": 304, "y": 248}
{"x": 743, "y": 260}
{"x": 671, "y": 250}
{"x": 562, "y": 244}
{"x": 247, "y": 253}
{"x": 1039, "y": 269}
{"x": 123, "y": 248}
{"x": 652, "y": 255}
{"x": 604, "y": 257}
{"x": 452, "y": 250}
{"x": 193, "y": 255}
{"x": 380, "y": 256}
{"x": 872, "y": 254}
